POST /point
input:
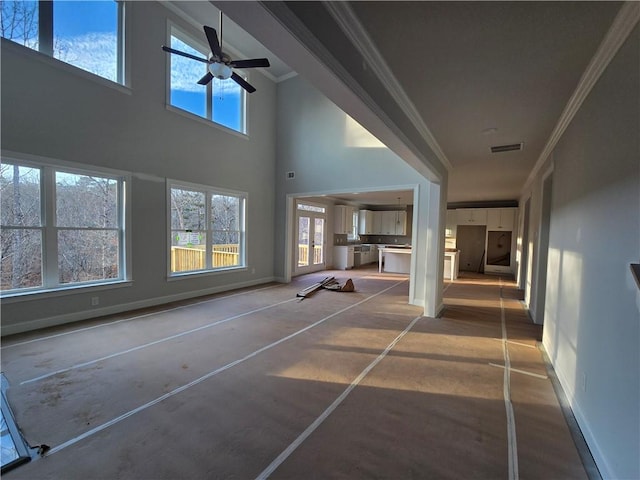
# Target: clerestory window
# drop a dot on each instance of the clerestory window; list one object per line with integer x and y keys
{"x": 86, "y": 34}
{"x": 60, "y": 227}
{"x": 220, "y": 101}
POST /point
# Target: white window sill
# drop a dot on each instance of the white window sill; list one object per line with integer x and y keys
{"x": 32, "y": 54}
{"x": 30, "y": 295}
{"x": 205, "y": 121}
{"x": 197, "y": 273}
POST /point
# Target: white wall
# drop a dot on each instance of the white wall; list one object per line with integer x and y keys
{"x": 314, "y": 142}
{"x": 52, "y": 111}
{"x": 592, "y": 309}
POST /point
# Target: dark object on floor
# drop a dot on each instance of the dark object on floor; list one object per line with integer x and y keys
{"x": 348, "y": 286}
{"x": 310, "y": 290}
{"x": 15, "y": 450}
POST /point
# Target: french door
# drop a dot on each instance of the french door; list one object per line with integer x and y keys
{"x": 311, "y": 238}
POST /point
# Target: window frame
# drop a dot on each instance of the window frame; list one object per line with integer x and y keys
{"x": 175, "y": 30}
{"x": 209, "y": 191}
{"x": 51, "y": 284}
{"x": 45, "y": 46}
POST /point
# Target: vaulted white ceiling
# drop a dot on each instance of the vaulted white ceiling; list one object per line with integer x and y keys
{"x": 441, "y": 82}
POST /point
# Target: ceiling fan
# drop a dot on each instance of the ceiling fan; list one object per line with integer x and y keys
{"x": 220, "y": 64}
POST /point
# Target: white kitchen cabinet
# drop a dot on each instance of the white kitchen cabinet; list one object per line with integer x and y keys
{"x": 393, "y": 222}
{"x": 343, "y": 257}
{"x": 472, "y": 216}
{"x": 401, "y": 223}
{"x": 343, "y": 219}
{"x": 365, "y": 222}
{"x": 388, "y": 223}
{"x": 377, "y": 222}
{"x": 452, "y": 224}
{"x": 365, "y": 254}
{"x": 501, "y": 219}
{"x": 373, "y": 253}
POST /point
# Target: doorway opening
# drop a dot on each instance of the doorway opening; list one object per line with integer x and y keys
{"x": 471, "y": 242}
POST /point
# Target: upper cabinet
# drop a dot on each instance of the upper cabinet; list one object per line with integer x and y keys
{"x": 472, "y": 216}
{"x": 365, "y": 222}
{"x": 382, "y": 222}
{"x": 343, "y": 219}
{"x": 393, "y": 222}
{"x": 501, "y": 219}
{"x": 452, "y": 223}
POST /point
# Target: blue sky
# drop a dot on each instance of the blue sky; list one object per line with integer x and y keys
{"x": 85, "y": 35}
{"x": 77, "y": 18}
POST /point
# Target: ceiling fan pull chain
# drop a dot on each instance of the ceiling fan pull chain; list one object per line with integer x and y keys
{"x": 220, "y": 28}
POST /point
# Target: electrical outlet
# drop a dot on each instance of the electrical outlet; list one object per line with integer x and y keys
{"x": 95, "y": 301}
{"x": 583, "y": 382}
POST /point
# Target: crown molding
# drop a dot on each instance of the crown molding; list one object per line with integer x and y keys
{"x": 351, "y": 26}
{"x": 625, "y": 21}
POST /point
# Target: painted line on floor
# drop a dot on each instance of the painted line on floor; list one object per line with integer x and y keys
{"x": 524, "y": 372}
{"x": 517, "y": 343}
{"x": 279, "y": 460}
{"x": 506, "y": 390}
{"x": 128, "y": 319}
{"x": 155, "y": 342}
{"x": 213, "y": 373}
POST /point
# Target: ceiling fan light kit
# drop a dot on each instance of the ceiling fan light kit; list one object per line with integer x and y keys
{"x": 220, "y": 70}
{"x": 220, "y": 65}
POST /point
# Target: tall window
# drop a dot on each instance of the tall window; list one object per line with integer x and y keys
{"x": 85, "y": 34}
{"x": 207, "y": 229}
{"x": 221, "y": 101}
{"x": 59, "y": 227}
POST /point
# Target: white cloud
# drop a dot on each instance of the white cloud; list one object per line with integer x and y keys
{"x": 94, "y": 52}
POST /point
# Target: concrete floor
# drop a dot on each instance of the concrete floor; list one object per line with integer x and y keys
{"x": 254, "y": 383}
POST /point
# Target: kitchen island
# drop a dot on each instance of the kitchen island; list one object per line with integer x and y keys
{"x": 397, "y": 259}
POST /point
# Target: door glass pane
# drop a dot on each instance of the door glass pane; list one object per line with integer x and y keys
{"x": 303, "y": 241}
{"x": 318, "y": 241}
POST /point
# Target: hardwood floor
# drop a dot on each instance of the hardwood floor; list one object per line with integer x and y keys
{"x": 256, "y": 383}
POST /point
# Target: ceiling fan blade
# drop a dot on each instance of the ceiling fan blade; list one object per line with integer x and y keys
{"x": 188, "y": 55}
{"x": 212, "y": 38}
{"x": 206, "y": 79}
{"x": 253, "y": 63}
{"x": 242, "y": 82}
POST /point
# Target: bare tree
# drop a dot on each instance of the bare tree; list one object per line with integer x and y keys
{"x": 19, "y": 22}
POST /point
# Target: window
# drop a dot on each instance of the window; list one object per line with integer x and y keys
{"x": 60, "y": 227}
{"x": 207, "y": 229}
{"x": 85, "y": 34}
{"x": 221, "y": 101}
{"x": 353, "y": 233}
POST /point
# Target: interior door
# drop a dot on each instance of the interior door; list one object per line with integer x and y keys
{"x": 310, "y": 252}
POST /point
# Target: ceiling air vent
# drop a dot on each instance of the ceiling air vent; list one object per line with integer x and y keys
{"x": 507, "y": 148}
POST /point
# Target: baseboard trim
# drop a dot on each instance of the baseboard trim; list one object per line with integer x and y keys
{"x": 63, "y": 319}
{"x": 588, "y": 461}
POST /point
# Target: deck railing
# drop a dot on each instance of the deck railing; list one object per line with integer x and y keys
{"x": 303, "y": 254}
{"x": 184, "y": 259}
